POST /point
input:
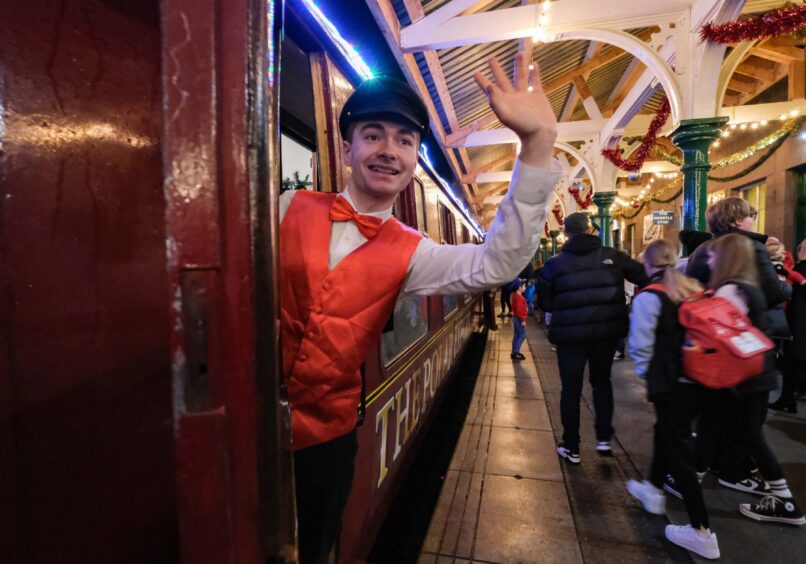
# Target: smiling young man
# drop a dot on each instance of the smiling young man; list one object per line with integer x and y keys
{"x": 344, "y": 260}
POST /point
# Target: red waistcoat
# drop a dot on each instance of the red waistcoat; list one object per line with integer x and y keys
{"x": 330, "y": 318}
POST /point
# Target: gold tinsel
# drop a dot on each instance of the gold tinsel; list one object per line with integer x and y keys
{"x": 739, "y": 156}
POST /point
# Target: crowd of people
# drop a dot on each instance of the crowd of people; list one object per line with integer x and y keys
{"x": 713, "y": 328}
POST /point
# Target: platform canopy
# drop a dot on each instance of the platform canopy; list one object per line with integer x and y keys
{"x": 606, "y": 67}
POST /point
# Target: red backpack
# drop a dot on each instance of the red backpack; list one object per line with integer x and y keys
{"x": 722, "y": 348}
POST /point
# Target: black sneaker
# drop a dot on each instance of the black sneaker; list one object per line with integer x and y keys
{"x": 603, "y": 448}
{"x": 752, "y": 485}
{"x": 670, "y": 487}
{"x": 571, "y": 454}
{"x": 774, "y": 509}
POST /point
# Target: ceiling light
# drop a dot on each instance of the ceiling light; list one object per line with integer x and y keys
{"x": 754, "y": 126}
{"x": 546, "y": 5}
{"x": 764, "y": 122}
{"x": 793, "y": 113}
{"x": 743, "y": 126}
{"x": 782, "y": 117}
{"x": 733, "y": 126}
{"x": 726, "y": 133}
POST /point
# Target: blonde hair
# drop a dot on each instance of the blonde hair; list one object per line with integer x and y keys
{"x": 723, "y": 214}
{"x": 734, "y": 260}
{"x": 776, "y": 250}
{"x": 663, "y": 254}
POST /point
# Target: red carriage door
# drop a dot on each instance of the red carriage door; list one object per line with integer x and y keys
{"x": 221, "y": 171}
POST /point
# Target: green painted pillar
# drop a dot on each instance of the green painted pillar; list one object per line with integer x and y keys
{"x": 542, "y": 250}
{"x": 603, "y": 201}
{"x": 694, "y": 137}
{"x": 554, "y": 234}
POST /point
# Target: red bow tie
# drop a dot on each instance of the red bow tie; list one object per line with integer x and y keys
{"x": 341, "y": 210}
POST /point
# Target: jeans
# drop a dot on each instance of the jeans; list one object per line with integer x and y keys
{"x": 519, "y": 336}
{"x": 323, "y": 477}
{"x": 571, "y": 360}
{"x": 674, "y": 448}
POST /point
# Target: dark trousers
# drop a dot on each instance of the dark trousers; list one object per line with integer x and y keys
{"x": 505, "y": 301}
{"x": 711, "y": 429}
{"x": 571, "y": 360}
{"x": 745, "y": 438}
{"x": 323, "y": 476}
{"x": 674, "y": 447}
{"x": 519, "y": 335}
{"x": 794, "y": 372}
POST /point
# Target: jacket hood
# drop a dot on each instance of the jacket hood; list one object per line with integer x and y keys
{"x": 582, "y": 244}
{"x": 760, "y": 237}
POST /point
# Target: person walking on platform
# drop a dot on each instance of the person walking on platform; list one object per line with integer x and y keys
{"x": 330, "y": 244}
{"x": 732, "y": 216}
{"x": 506, "y": 300}
{"x": 583, "y": 290}
{"x": 734, "y": 276}
{"x": 519, "y": 313}
{"x": 655, "y": 345}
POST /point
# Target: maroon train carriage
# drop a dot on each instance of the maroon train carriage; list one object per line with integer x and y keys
{"x": 141, "y": 416}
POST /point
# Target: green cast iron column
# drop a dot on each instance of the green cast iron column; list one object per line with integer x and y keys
{"x": 543, "y": 249}
{"x": 694, "y": 137}
{"x": 603, "y": 201}
{"x": 554, "y": 233}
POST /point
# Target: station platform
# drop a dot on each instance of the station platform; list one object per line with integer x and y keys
{"x": 507, "y": 497}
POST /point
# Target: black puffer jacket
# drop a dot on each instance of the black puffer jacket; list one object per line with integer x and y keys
{"x": 583, "y": 288}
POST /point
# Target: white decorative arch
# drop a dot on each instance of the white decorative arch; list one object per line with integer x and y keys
{"x": 574, "y": 152}
{"x": 729, "y": 66}
{"x": 639, "y": 50}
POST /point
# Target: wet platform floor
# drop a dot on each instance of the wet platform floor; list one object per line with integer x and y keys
{"x": 507, "y": 497}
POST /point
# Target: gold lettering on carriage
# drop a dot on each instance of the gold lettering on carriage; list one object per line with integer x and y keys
{"x": 397, "y": 419}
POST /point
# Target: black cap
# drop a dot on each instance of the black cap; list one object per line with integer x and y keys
{"x": 576, "y": 223}
{"x": 384, "y": 98}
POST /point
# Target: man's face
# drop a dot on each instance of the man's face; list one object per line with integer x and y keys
{"x": 383, "y": 156}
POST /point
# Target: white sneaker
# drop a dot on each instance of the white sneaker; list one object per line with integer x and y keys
{"x": 650, "y": 497}
{"x": 690, "y": 539}
{"x": 603, "y": 447}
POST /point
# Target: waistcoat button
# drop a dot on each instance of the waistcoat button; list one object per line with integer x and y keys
{"x": 302, "y": 358}
{"x": 326, "y": 285}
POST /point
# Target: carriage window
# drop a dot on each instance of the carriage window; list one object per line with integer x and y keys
{"x": 448, "y": 228}
{"x": 419, "y": 204}
{"x": 297, "y": 165}
{"x": 410, "y": 324}
{"x": 405, "y": 208}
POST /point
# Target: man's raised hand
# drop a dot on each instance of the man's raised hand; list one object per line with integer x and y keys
{"x": 524, "y": 108}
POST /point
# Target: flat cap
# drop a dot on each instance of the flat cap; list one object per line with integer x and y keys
{"x": 387, "y": 99}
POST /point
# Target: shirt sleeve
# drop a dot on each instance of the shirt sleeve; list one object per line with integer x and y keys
{"x": 646, "y": 308}
{"x": 509, "y": 245}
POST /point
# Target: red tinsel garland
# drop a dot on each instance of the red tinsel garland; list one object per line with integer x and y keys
{"x": 634, "y": 163}
{"x": 583, "y": 204}
{"x": 789, "y": 19}
{"x": 558, "y": 215}
{"x": 546, "y": 229}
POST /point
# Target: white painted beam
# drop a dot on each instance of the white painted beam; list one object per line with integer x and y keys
{"x": 494, "y": 177}
{"x": 521, "y": 21}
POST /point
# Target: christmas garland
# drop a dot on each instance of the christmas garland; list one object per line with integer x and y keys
{"x": 575, "y": 192}
{"x": 558, "y": 215}
{"x": 634, "y": 163}
{"x": 786, "y": 20}
{"x": 772, "y": 141}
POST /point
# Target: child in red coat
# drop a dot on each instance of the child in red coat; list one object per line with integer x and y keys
{"x": 519, "y": 312}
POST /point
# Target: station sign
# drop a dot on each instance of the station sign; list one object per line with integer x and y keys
{"x": 662, "y": 217}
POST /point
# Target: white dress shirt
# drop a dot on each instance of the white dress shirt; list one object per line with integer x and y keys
{"x": 436, "y": 268}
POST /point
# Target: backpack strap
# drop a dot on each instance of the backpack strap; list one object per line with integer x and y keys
{"x": 657, "y": 287}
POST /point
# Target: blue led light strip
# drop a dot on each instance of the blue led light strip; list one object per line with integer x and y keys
{"x": 346, "y": 49}
{"x": 355, "y": 60}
